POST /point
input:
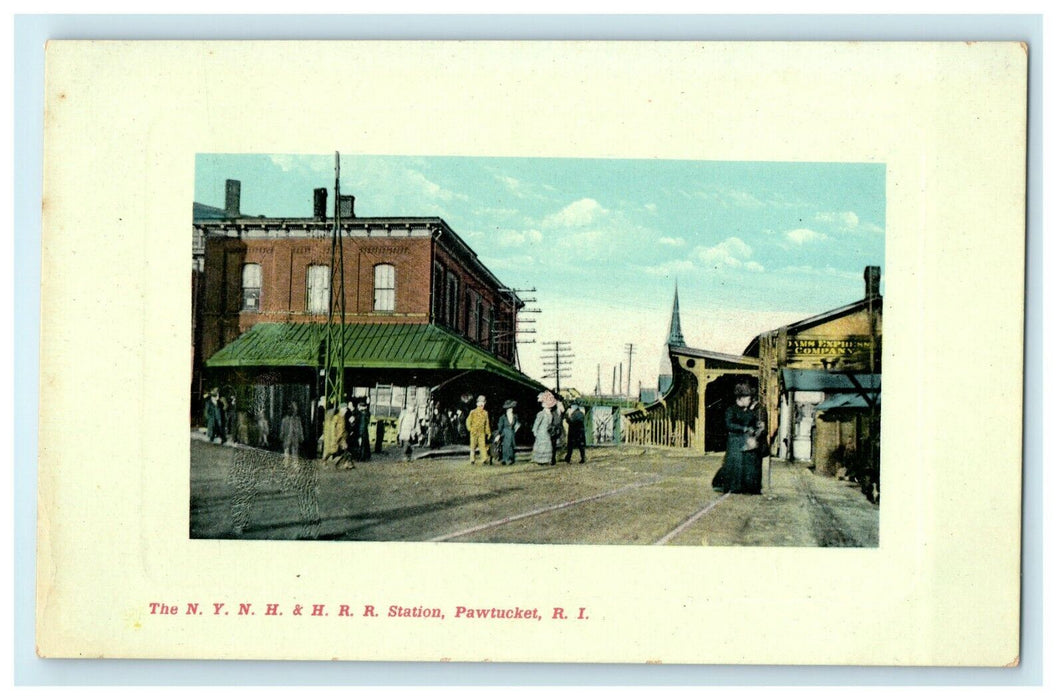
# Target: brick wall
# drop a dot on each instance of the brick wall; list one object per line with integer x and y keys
{"x": 284, "y": 263}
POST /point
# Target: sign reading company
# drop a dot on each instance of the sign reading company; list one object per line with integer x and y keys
{"x": 828, "y": 347}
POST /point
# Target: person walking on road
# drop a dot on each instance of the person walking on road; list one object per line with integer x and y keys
{"x": 363, "y": 432}
{"x": 557, "y": 419}
{"x": 741, "y": 471}
{"x": 577, "y": 439}
{"x": 378, "y": 436}
{"x": 479, "y": 426}
{"x": 507, "y": 433}
{"x": 212, "y": 415}
{"x": 542, "y": 448}
{"x": 291, "y": 434}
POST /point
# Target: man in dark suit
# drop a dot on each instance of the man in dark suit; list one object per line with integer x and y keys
{"x": 576, "y": 434}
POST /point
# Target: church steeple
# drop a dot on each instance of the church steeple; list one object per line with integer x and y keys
{"x": 675, "y": 334}
{"x": 674, "y": 340}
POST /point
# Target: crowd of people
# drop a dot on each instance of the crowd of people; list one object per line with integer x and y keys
{"x": 226, "y": 423}
{"x": 553, "y": 428}
{"x": 344, "y": 432}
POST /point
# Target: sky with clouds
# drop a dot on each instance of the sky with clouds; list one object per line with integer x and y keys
{"x": 750, "y": 245}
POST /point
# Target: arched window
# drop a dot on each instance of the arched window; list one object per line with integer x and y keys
{"x": 318, "y": 289}
{"x": 251, "y": 283}
{"x": 384, "y": 287}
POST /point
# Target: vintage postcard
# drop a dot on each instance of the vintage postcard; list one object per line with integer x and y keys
{"x": 533, "y": 351}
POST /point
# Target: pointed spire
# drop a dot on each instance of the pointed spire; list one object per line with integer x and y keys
{"x": 675, "y": 334}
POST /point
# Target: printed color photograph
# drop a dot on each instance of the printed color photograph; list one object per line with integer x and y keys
{"x": 536, "y": 350}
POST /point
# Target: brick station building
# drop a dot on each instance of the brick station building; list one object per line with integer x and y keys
{"x": 427, "y": 321}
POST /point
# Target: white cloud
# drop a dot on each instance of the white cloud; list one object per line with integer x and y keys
{"x": 843, "y": 219}
{"x": 754, "y": 266}
{"x": 670, "y": 241}
{"x": 284, "y": 162}
{"x": 512, "y": 183}
{"x": 510, "y": 238}
{"x": 670, "y": 268}
{"x": 430, "y": 188}
{"x": 652, "y": 208}
{"x": 579, "y": 213}
{"x": 743, "y": 200}
{"x": 804, "y": 235}
{"x": 288, "y": 163}
{"x": 732, "y": 252}
{"x": 521, "y": 189}
{"x": 847, "y": 221}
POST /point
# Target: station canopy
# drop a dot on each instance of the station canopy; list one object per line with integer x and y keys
{"x": 366, "y": 346}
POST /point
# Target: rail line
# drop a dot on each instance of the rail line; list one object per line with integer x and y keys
{"x": 691, "y": 520}
{"x": 556, "y": 506}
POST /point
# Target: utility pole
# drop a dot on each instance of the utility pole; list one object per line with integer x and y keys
{"x": 557, "y": 361}
{"x": 507, "y": 331}
{"x": 629, "y": 348}
{"x": 337, "y": 323}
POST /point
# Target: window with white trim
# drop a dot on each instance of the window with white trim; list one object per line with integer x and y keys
{"x": 384, "y": 287}
{"x": 251, "y": 285}
{"x": 318, "y": 289}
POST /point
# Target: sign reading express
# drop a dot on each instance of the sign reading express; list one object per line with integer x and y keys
{"x": 828, "y": 347}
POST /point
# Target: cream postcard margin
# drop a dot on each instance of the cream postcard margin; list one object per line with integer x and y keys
{"x": 122, "y": 125}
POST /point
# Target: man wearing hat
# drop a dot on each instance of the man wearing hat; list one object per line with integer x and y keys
{"x": 363, "y": 432}
{"x": 479, "y": 427}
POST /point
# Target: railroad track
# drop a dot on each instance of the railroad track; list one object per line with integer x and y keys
{"x": 563, "y": 505}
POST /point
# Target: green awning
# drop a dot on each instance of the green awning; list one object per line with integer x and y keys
{"x": 366, "y": 345}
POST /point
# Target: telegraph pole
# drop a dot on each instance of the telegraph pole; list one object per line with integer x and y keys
{"x": 629, "y": 348}
{"x": 511, "y": 331}
{"x": 557, "y": 361}
{"x": 337, "y": 323}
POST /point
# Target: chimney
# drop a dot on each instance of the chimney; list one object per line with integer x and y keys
{"x": 321, "y": 194}
{"x": 871, "y": 282}
{"x": 347, "y": 206}
{"x": 232, "y": 199}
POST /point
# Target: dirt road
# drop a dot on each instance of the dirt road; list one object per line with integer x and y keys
{"x": 623, "y": 495}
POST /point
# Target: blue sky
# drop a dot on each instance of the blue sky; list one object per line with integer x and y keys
{"x": 751, "y": 245}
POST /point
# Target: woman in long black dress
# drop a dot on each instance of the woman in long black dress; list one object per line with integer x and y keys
{"x": 507, "y": 430}
{"x": 741, "y": 472}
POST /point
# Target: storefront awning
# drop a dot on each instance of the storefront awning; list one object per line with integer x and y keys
{"x": 368, "y": 345}
{"x": 840, "y": 401}
{"x": 821, "y": 380}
